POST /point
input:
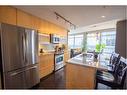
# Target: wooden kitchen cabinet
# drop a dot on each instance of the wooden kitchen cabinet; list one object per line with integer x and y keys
{"x": 8, "y": 15}
{"x": 66, "y": 56}
{"x": 80, "y": 77}
{"x": 24, "y": 19}
{"x": 43, "y": 26}
{"x": 46, "y": 64}
{"x": 14, "y": 16}
{"x": 36, "y": 22}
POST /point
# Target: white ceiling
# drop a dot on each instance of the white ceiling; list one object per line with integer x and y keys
{"x": 81, "y": 16}
{"x": 95, "y": 27}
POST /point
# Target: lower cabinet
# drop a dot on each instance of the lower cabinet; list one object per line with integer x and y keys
{"x": 46, "y": 64}
{"x": 79, "y": 77}
{"x": 66, "y": 56}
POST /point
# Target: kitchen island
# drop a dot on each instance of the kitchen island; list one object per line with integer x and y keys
{"x": 81, "y": 71}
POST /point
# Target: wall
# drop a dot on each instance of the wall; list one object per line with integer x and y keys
{"x": 18, "y": 17}
{"x": 121, "y": 41}
{"x": 0, "y": 81}
{"x": 126, "y": 36}
{"x": 121, "y": 38}
{"x": 126, "y": 49}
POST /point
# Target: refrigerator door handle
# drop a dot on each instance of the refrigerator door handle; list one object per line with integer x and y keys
{"x": 23, "y": 47}
{"x": 13, "y": 74}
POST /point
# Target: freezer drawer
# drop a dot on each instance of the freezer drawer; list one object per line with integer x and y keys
{"x": 21, "y": 79}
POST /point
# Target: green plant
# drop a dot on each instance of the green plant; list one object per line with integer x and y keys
{"x": 99, "y": 47}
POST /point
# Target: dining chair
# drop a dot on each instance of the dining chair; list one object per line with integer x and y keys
{"x": 114, "y": 60}
{"x": 116, "y": 79}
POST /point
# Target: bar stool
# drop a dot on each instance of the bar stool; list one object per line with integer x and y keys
{"x": 116, "y": 79}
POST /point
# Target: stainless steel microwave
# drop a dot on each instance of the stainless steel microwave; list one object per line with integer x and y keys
{"x": 55, "y": 39}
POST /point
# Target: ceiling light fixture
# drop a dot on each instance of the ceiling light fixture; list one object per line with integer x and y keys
{"x": 103, "y": 16}
{"x": 59, "y": 16}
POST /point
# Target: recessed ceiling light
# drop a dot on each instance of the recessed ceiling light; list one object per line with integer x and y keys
{"x": 103, "y": 16}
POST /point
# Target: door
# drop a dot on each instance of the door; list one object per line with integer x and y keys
{"x": 31, "y": 46}
{"x": 11, "y": 40}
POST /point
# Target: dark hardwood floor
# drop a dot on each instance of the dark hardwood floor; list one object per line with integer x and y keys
{"x": 56, "y": 80}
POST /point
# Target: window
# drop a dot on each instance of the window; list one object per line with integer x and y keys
{"x": 107, "y": 38}
{"x": 75, "y": 41}
{"x": 78, "y": 41}
{"x": 92, "y": 40}
{"x": 71, "y": 41}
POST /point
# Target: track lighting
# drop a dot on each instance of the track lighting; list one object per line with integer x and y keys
{"x": 66, "y": 21}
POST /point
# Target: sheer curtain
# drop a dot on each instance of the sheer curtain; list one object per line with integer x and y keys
{"x": 75, "y": 41}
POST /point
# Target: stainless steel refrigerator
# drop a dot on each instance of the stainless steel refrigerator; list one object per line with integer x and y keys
{"x": 19, "y": 57}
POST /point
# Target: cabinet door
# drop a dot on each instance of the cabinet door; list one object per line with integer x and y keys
{"x": 66, "y": 57}
{"x": 79, "y": 77}
{"x": 46, "y": 64}
{"x": 8, "y": 15}
{"x": 36, "y": 23}
{"x": 24, "y": 19}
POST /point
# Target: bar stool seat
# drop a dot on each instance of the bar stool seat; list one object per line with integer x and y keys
{"x": 105, "y": 76}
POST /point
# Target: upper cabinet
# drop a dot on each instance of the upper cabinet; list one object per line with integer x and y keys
{"x": 36, "y": 22}
{"x": 24, "y": 19}
{"x": 8, "y": 15}
{"x": 18, "y": 17}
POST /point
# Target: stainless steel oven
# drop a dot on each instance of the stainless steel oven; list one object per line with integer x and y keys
{"x": 59, "y": 61}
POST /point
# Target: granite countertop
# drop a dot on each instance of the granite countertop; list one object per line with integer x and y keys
{"x": 88, "y": 60}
